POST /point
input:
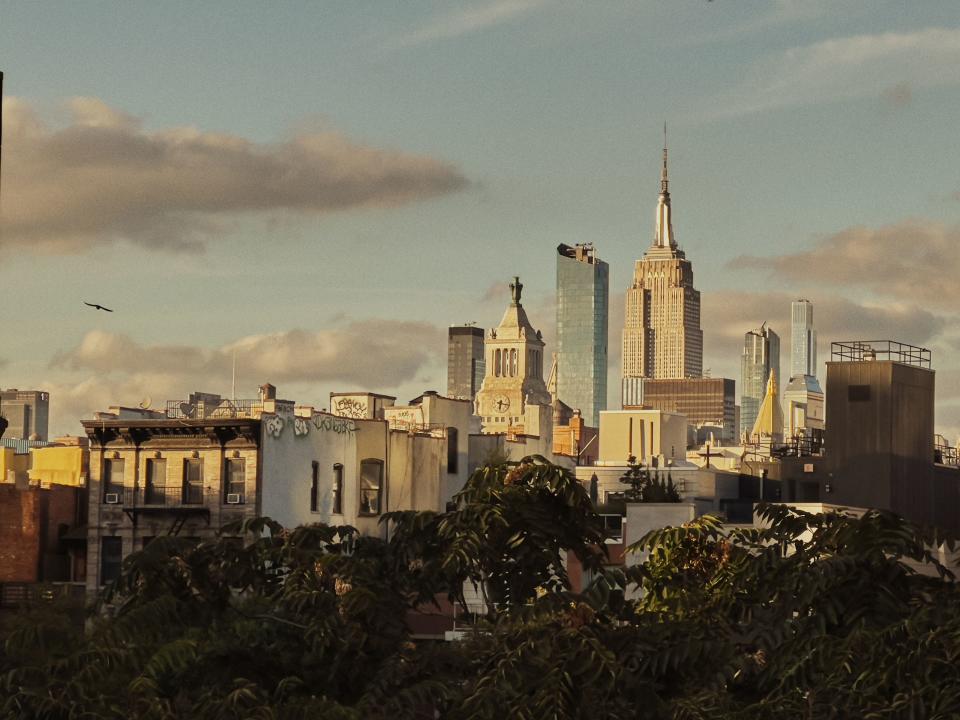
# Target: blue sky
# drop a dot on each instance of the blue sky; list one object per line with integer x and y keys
{"x": 290, "y": 181}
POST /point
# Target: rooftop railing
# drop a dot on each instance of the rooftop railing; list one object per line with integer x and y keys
{"x": 181, "y": 410}
{"x": 889, "y": 350}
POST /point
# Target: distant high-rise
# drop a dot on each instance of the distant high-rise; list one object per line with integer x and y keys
{"x": 465, "y": 363}
{"x": 583, "y": 293}
{"x": 661, "y": 335}
{"x": 803, "y": 339}
{"x": 27, "y": 412}
{"x": 802, "y": 398}
{"x": 761, "y": 355}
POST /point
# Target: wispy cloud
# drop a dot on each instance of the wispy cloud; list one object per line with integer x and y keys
{"x": 848, "y": 67}
{"x": 102, "y": 177}
{"x": 469, "y": 19}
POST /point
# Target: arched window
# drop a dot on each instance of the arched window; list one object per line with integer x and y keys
{"x": 496, "y": 362}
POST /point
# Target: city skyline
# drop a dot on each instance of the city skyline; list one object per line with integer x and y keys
{"x": 499, "y": 140}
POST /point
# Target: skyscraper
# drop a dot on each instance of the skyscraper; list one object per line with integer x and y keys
{"x": 761, "y": 355}
{"x": 803, "y": 339}
{"x": 661, "y": 335}
{"x": 465, "y": 363}
{"x": 583, "y": 293}
{"x": 802, "y": 398}
{"x": 27, "y": 412}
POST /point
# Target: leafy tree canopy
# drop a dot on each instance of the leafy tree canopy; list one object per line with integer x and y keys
{"x": 808, "y": 616}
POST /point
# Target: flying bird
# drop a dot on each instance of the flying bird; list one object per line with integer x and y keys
{"x": 97, "y": 307}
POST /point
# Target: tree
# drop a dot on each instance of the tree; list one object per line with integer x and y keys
{"x": 648, "y": 487}
{"x": 808, "y": 616}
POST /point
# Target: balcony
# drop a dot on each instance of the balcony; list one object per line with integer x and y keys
{"x": 181, "y": 501}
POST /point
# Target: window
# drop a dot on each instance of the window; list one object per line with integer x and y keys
{"x": 452, "y": 455}
{"x": 513, "y": 363}
{"x": 235, "y": 479}
{"x": 315, "y": 486}
{"x": 111, "y": 558}
{"x": 336, "y": 490}
{"x": 496, "y": 363}
{"x": 613, "y": 526}
{"x": 858, "y": 393}
{"x": 371, "y": 480}
{"x": 155, "y": 491}
{"x": 112, "y": 477}
{"x": 192, "y": 481}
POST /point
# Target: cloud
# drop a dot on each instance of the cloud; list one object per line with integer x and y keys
{"x": 848, "y": 67}
{"x": 469, "y": 19}
{"x": 912, "y": 261}
{"x": 367, "y": 353}
{"x": 102, "y": 177}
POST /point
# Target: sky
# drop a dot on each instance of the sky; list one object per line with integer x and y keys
{"x": 319, "y": 189}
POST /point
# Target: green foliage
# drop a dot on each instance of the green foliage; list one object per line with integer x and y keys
{"x": 648, "y": 487}
{"x": 808, "y": 616}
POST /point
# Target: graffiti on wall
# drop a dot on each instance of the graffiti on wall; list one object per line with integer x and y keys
{"x": 275, "y": 425}
{"x": 350, "y": 407}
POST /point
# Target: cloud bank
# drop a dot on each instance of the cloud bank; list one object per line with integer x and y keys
{"x": 913, "y": 261}
{"x": 102, "y": 177}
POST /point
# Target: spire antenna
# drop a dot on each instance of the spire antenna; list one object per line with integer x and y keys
{"x": 664, "y": 182}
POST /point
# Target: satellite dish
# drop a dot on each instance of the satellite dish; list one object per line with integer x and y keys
{"x": 145, "y": 403}
{"x": 187, "y": 409}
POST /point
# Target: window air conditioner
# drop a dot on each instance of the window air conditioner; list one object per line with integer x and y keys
{"x": 233, "y": 498}
{"x": 111, "y": 498}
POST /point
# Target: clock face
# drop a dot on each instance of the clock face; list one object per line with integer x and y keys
{"x": 502, "y": 403}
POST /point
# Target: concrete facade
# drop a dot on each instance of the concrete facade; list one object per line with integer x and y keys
{"x": 879, "y": 437}
{"x": 27, "y": 412}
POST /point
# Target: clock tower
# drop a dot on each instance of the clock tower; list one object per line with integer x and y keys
{"x": 514, "y": 373}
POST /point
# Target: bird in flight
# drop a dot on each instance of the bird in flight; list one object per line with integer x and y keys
{"x": 97, "y": 307}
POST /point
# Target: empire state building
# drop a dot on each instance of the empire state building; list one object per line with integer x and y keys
{"x": 661, "y": 335}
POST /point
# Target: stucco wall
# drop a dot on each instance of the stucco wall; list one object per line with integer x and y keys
{"x": 416, "y": 477}
{"x": 290, "y": 446}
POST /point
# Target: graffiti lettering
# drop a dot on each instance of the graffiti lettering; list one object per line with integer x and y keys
{"x": 350, "y": 407}
{"x": 337, "y": 425}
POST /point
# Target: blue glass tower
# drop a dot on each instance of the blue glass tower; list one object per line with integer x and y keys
{"x": 583, "y": 295}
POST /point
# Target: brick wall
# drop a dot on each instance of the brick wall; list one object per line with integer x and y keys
{"x": 20, "y": 534}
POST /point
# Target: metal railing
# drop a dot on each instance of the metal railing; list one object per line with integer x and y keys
{"x": 945, "y": 455}
{"x": 19, "y": 594}
{"x": 172, "y": 496}
{"x": 891, "y": 350}
{"x": 181, "y": 410}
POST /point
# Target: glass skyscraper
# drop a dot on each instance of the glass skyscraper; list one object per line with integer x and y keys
{"x": 761, "y": 354}
{"x": 803, "y": 339}
{"x": 583, "y": 294}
